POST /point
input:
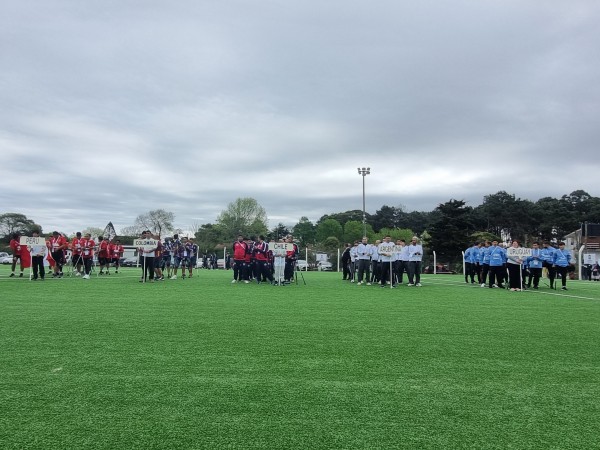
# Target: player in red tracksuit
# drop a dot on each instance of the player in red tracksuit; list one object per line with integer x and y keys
{"x": 87, "y": 251}
{"x": 261, "y": 252}
{"x": 103, "y": 255}
{"x": 290, "y": 260}
{"x": 240, "y": 249}
{"x": 115, "y": 251}
{"x": 58, "y": 244}
{"x": 15, "y": 246}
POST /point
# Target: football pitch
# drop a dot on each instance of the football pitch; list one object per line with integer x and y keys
{"x": 112, "y": 363}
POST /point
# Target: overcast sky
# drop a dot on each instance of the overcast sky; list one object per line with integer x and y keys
{"x": 113, "y": 108}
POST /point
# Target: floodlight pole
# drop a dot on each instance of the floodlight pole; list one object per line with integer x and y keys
{"x": 364, "y": 172}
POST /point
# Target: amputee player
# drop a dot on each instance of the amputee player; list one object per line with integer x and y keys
{"x": 484, "y": 257}
{"x": 547, "y": 254}
{"x": 353, "y": 261}
{"x": 116, "y": 251}
{"x": 87, "y": 253}
{"x": 261, "y": 250}
{"x": 239, "y": 259}
{"x": 497, "y": 265}
{"x": 103, "y": 255}
{"x": 561, "y": 261}
{"x": 363, "y": 252}
{"x": 291, "y": 256}
{"x": 15, "y": 247}
{"x": 58, "y": 244}
{"x": 178, "y": 251}
{"x": 76, "y": 253}
{"x": 471, "y": 257}
{"x": 346, "y": 262}
{"x": 167, "y": 252}
{"x": 386, "y": 256}
{"x": 403, "y": 261}
{"x": 415, "y": 256}
{"x": 249, "y": 263}
{"x": 375, "y": 262}
{"x": 535, "y": 264}
{"x": 158, "y": 252}
{"x": 192, "y": 251}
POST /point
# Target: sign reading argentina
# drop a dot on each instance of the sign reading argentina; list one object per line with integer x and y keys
{"x": 146, "y": 244}
{"x": 29, "y": 240}
{"x": 387, "y": 248}
{"x": 518, "y": 252}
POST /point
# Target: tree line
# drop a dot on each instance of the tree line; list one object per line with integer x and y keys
{"x": 449, "y": 228}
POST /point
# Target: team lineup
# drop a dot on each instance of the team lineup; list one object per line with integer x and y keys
{"x": 255, "y": 260}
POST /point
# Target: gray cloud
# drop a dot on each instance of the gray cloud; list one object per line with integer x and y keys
{"x": 113, "y": 109}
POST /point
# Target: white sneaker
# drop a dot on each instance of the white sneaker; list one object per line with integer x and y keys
{"x": 351, "y": 281}
{"x": 410, "y": 284}
{"x": 246, "y": 281}
{"x": 368, "y": 284}
{"x": 360, "y": 282}
{"x": 174, "y": 277}
{"x": 233, "y": 281}
{"x": 77, "y": 274}
{"x": 86, "y": 277}
{"x": 482, "y": 284}
{"x": 419, "y": 284}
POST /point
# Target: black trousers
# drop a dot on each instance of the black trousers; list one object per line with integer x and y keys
{"x": 376, "y": 273}
{"x": 401, "y": 267}
{"x": 385, "y": 271}
{"x": 414, "y": 272}
{"x": 37, "y": 264}
{"x": 262, "y": 270}
{"x": 238, "y": 269}
{"x": 485, "y": 268}
{"x": 514, "y": 276}
{"x": 535, "y": 275}
{"x": 148, "y": 267}
{"x": 561, "y": 272}
{"x": 364, "y": 265}
{"x": 288, "y": 271}
{"x": 497, "y": 274}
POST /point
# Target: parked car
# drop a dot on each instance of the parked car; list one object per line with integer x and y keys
{"x": 129, "y": 262}
{"x": 301, "y": 264}
{"x": 324, "y": 266}
{"x": 5, "y": 258}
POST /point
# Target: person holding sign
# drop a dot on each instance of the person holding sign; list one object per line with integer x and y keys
{"x": 15, "y": 246}
{"x": 561, "y": 262}
{"x": 37, "y": 251}
{"x": 515, "y": 280}
{"x": 415, "y": 256}
{"x": 146, "y": 248}
{"x": 386, "y": 256}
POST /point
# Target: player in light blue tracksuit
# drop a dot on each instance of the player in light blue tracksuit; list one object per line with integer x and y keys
{"x": 561, "y": 261}
{"x": 484, "y": 257}
{"x": 535, "y": 264}
{"x": 547, "y": 255}
{"x": 497, "y": 265}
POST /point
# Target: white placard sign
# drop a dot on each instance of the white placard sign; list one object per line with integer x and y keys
{"x": 281, "y": 248}
{"x": 27, "y": 240}
{"x": 146, "y": 244}
{"x": 589, "y": 258}
{"x": 387, "y": 248}
{"x": 518, "y": 252}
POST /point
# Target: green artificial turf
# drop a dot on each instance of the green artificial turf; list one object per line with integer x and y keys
{"x": 203, "y": 363}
